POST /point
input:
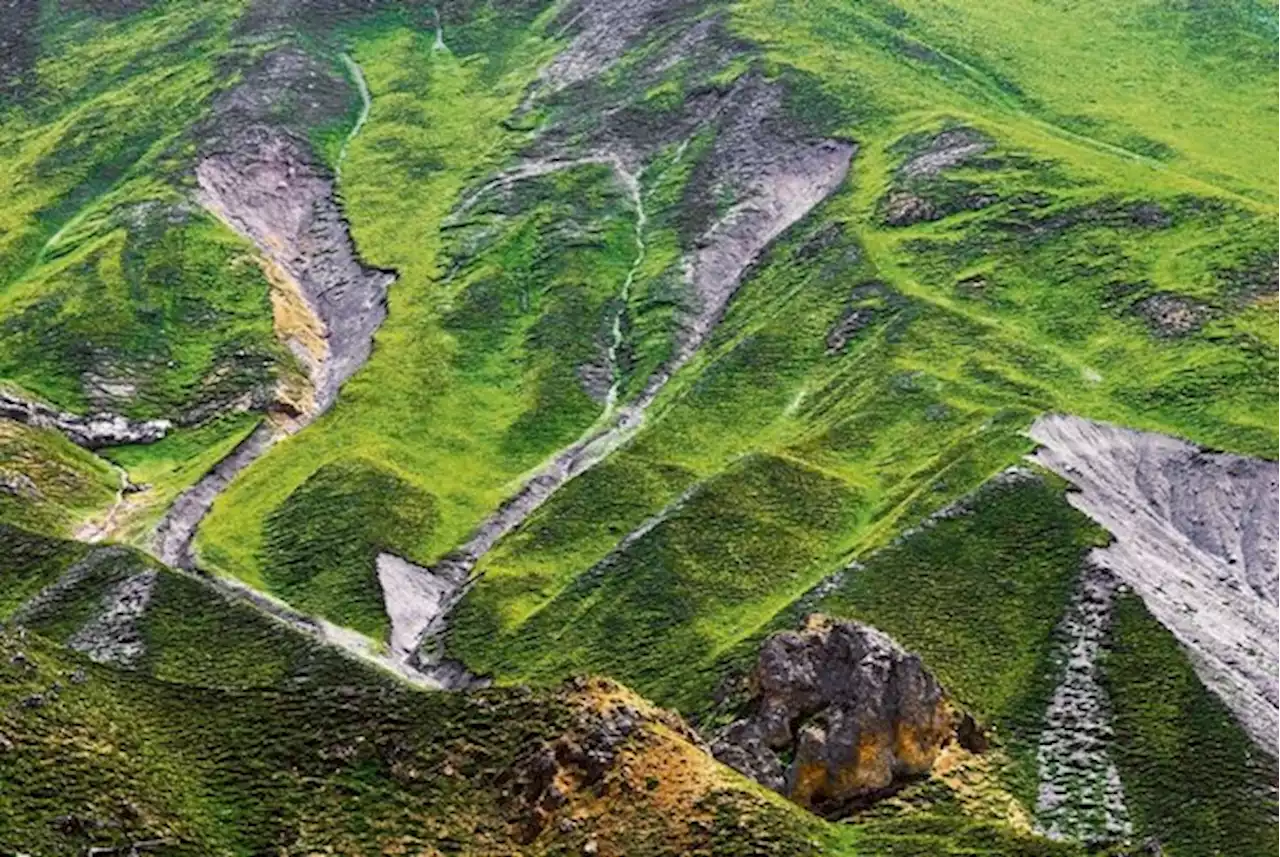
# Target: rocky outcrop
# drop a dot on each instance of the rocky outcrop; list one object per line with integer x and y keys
{"x": 92, "y": 432}
{"x": 113, "y": 636}
{"x": 616, "y": 745}
{"x": 1171, "y": 316}
{"x": 602, "y": 31}
{"x": 840, "y": 715}
{"x": 1195, "y": 537}
{"x": 918, "y": 195}
{"x": 944, "y": 151}
{"x": 19, "y": 46}
{"x": 417, "y": 601}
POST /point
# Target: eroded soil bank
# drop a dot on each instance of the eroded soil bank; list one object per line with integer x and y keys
{"x": 1195, "y": 536}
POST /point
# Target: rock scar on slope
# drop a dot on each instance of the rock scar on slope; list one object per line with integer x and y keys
{"x": 1195, "y": 537}
{"x": 1081, "y": 796}
{"x": 261, "y": 179}
{"x": 92, "y": 432}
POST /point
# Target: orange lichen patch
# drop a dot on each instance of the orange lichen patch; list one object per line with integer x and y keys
{"x": 974, "y": 781}
{"x": 299, "y": 327}
{"x": 810, "y": 783}
{"x": 295, "y": 396}
{"x": 878, "y": 760}
{"x": 295, "y": 319}
{"x": 916, "y": 748}
{"x": 655, "y": 787}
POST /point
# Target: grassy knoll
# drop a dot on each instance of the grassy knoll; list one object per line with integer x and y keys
{"x": 114, "y": 291}
{"x": 191, "y": 634}
{"x": 47, "y": 483}
{"x": 978, "y": 594}
{"x": 332, "y": 528}
{"x": 232, "y": 734}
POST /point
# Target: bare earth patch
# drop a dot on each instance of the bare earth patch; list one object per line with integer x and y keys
{"x": 1195, "y": 537}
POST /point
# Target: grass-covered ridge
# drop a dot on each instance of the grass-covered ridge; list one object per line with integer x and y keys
{"x": 323, "y": 541}
{"x": 48, "y": 484}
{"x": 1193, "y": 779}
{"x": 233, "y": 734}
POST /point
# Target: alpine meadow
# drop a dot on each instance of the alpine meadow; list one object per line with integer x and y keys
{"x": 639, "y": 428}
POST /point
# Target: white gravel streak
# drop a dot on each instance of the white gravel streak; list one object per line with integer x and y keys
{"x": 1081, "y": 796}
{"x": 366, "y": 104}
{"x": 1195, "y": 537}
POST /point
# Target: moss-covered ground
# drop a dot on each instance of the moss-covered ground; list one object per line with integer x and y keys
{"x": 47, "y": 483}
{"x": 1193, "y": 780}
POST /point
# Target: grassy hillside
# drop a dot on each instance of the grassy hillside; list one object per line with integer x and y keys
{"x": 115, "y": 291}
{"x": 1049, "y": 208}
{"x": 1053, "y": 271}
{"x": 233, "y": 734}
{"x": 47, "y": 483}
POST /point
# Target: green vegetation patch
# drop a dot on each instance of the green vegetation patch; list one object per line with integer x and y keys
{"x": 30, "y": 562}
{"x": 1193, "y": 780}
{"x": 933, "y": 835}
{"x": 162, "y": 313}
{"x": 322, "y": 543}
{"x": 49, "y": 484}
{"x": 191, "y": 633}
{"x": 652, "y": 611}
{"x": 978, "y": 592}
{"x": 198, "y": 636}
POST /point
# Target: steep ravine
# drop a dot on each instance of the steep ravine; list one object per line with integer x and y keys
{"x": 1195, "y": 537}
{"x": 265, "y": 185}
{"x": 713, "y": 274}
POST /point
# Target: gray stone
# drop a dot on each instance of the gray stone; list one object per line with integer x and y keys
{"x": 92, "y": 432}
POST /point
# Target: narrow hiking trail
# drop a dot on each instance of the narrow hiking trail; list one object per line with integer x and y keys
{"x": 94, "y": 533}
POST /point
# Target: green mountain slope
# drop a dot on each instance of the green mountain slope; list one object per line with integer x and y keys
{"x": 702, "y": 317}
